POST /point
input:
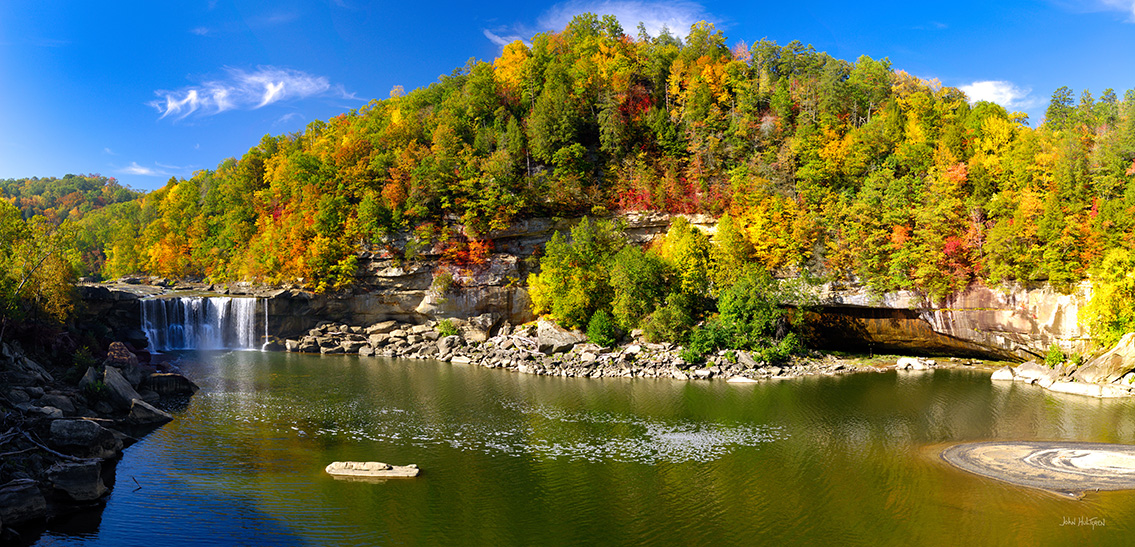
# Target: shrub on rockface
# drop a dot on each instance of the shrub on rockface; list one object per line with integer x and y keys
{"x": 754, "y": 314}
{"x": 575, "y": 279}
{"x": 1111, "y": 312}
{"x": 602, "y": 330}
{"x": 640, "y": 282}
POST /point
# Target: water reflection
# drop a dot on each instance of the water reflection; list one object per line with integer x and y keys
{"x": 514, "y": 459}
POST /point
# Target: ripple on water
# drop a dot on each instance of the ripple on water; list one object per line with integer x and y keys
{"x": 519, "y": 429}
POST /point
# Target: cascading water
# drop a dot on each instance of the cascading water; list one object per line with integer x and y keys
{"x": 197, "y": 322}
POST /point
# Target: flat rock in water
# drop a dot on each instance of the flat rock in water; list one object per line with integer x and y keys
{"x": 371, "y": 470}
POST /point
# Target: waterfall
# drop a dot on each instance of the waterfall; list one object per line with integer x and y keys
{"x": 265, "y": 325}
{"x": 196, "y": 322}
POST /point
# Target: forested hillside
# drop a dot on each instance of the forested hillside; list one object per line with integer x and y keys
{"x": 851, "y": 169}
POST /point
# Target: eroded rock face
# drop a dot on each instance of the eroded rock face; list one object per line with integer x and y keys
{"x": 1007, "y": 322}
{"x": 1110, "y": 366}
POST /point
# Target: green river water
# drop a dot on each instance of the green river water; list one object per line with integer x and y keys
{"x": 511, "y": 459}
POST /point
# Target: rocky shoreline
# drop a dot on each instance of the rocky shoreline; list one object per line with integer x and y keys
{"x": 64, "y": 433}
{"x": 545, "y": 349}
{"x": 1107, "y": 376}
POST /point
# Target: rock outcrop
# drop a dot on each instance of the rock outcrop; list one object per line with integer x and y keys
{"x": 1009, "y": 322}
{"x": 62, "y": 434}
{"x": 1107, "y": 376}
{"x": 1112, "y": 365}
{"x": 1006, "y": 322}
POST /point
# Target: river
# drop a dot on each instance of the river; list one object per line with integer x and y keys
{"x": 511, "y": 459}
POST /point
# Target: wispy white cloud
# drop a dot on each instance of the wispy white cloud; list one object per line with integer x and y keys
{"x": 200, "y": 31}
{"x": 287, "y": 118}
{"x": 242, "y": 90}
{"x": 1092, "y": 6}
{"x": 502, "y": 40}
{"x": 1126, "y": 6}
{"x": 135, "y": 169}
{"x": 108, "y": 151}
{"x": 174, "y": 167}
{"x": 676, "y": 16}
{"x": 1006, "y": 94}
{"x": 932, "y": 25}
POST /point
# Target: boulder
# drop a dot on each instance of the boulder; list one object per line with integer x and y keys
{"x": 85, "y": 438}
{"x": 474, "y": 334}
{"x": 292, "y": 345}
{"x": 17, "y": 396}
{"x": 1003, "y": 374}
{"x": 911, "y": 363}
{"x": 120, "y": 357}
{"x": 80, "y": 481}
{"x": 21, "y": 501}
{"x": 447, "y": 344}
{"x": 89, "y": 378}
{"x": 57, "y": 400}
{"x": 1032, "y": 372}
{"x": 121, "y": 393}
{"x": 168, "y": 383}
{"x": 745, "y": 359}
{"x": 33, "y": 368}
{"x": 145, "y": 414}
{"x": 552, "y": 338}
{"x": 384, "y": 327}
{"x": 1112, "y": 365}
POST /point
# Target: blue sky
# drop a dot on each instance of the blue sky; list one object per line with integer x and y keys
{"x": 147, "y": 90}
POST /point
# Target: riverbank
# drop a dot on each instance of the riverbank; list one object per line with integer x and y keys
{"x": 544, "y": 349}
{"x": 64, "y": 429}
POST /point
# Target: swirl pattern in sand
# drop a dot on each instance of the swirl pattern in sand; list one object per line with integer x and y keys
{"x": 1070, "y": 468}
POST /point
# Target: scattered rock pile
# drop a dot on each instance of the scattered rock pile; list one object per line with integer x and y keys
{"x": 60, "y": 437}
{"x": 1067, "y": 378}
{"x": 542, "y": 348}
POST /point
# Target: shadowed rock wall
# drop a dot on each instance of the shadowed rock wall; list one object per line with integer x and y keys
{"x": 1008, "y": 322}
